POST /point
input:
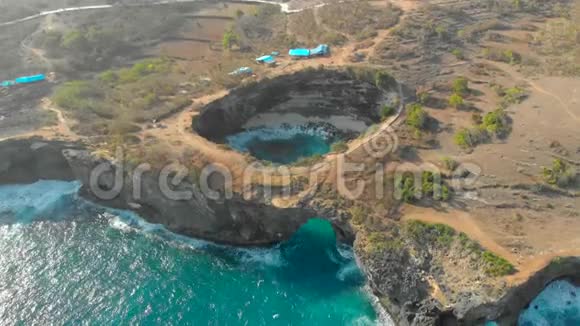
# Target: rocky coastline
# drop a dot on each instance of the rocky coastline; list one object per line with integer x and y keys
{"x": 399, "y": 274}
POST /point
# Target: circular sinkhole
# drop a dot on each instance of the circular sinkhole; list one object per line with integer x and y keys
{"x": 291, "y": 117}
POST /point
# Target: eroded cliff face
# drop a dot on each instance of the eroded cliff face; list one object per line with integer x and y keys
{"x": 421, "y": 277}
{"x": 439, "y": 278}
{"x": 310, "y": 93}
{"x": 224, "y": 220}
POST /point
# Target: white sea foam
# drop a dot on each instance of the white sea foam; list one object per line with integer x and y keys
{"x": 43, "y": 199}
{"x": 271, "y": 257}
{"x": 383, "y": 317}
{"x": 349, "y": 270}
{"x": 240, "y": 141}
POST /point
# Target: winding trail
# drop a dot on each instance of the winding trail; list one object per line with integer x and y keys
{"x": 518, "y": 76}
{"x": 283, "y": 6}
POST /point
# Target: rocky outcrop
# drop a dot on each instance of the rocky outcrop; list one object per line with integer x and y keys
{"x": 225, "y": 220}
{"x": 31, "y": 160}
{"x": 441, "y": 280}
{"x": 309, "y": 93}
{"x": 430, "y": 279}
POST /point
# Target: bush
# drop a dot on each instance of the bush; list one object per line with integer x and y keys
{"x": 77, "y": 96}
{"x": 508, "y": 56}
{"x": 461, "y": 86}
{"x": 384, "y": 80}
{"x": 406, "y": 186}
{"x": 229, "y": 39}
{"x": 463, "y": 138}
{"x": 456, "y": 101}
{"x": 560, "y": 174}
{"x": 378, "y": 242}
{"x": 495, "y": 122}
{"x": 495, "y": 265}
{"x": 440, "y": 234}
{"x": 387, "y": 111}
{"x": 513, "y": 95}
{"x": 416, "y": 116}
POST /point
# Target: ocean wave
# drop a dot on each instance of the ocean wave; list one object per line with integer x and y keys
{"x": 43, "y": 199}
{"x": 268, "y": 257}
{"x": 383, "y": 317}
{"x": 242, "y": 140}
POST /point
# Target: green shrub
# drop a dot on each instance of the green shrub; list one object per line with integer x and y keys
{"x": 507, "y": 56}
{"x": 440, "y": 234}
{"x": 461, "y": 86}
{"x": 456, "y": 101}
{"x": 384, "y": 80}
{"x": 495, "y": 122}
{"x": 513, "y": 95}
{"x": 406, "y": 186}
{"x": 379, "y": 242}
{"x": 416, "y": 116}
{"x": 463, "y": 138}
{"x": 229, "y": 39}
{"x": 495, "y": 265}
{"x": 560, "y": 174}
{"x": 387, "y": 111}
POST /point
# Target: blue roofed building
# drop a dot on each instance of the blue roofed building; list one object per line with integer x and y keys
{"x": 299, "y": 53}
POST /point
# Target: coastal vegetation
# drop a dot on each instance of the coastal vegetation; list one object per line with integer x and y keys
{"x": 117, "y": 99}
{"x": 559, "y": 173}
{"x": 435, "y": 238}
{"x": 431, "y": 187}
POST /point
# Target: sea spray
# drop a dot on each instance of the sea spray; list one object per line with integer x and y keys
{"x": 104, "y": 266}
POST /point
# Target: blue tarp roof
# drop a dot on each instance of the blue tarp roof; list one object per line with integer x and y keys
{"x": 29, "y": 79}
{"x": 266, "y": 59}
{"x": 8, "y": 83}
{"x": 299, "y": 52}
{"x": 319, "y": 50}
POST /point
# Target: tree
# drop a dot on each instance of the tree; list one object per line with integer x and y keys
{"x": 229, "y": 39}
{"x": 387, "y": 111}
{"x": 383, "y": 80}
{"x": 416, "y": 116}
{"x": 456, "y": 101}
{"x": 461, "y": 86}
{"x": 463, "y": 138}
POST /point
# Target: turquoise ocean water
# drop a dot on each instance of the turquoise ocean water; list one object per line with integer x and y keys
{"x": 282, "y": 145}
{"x": 65, "y": 261}
{"x": 557, "y": 305}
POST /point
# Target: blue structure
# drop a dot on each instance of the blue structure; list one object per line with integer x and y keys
{"x": 30, "y": 79}
{"x": 242, "y": 71}
{"x": 320, "y": 50}
{"x": 299, "y": 53}
{"x": 267, "y": 59}
{"x": 8, "y": 83}
{"x": 23, "y": 80}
